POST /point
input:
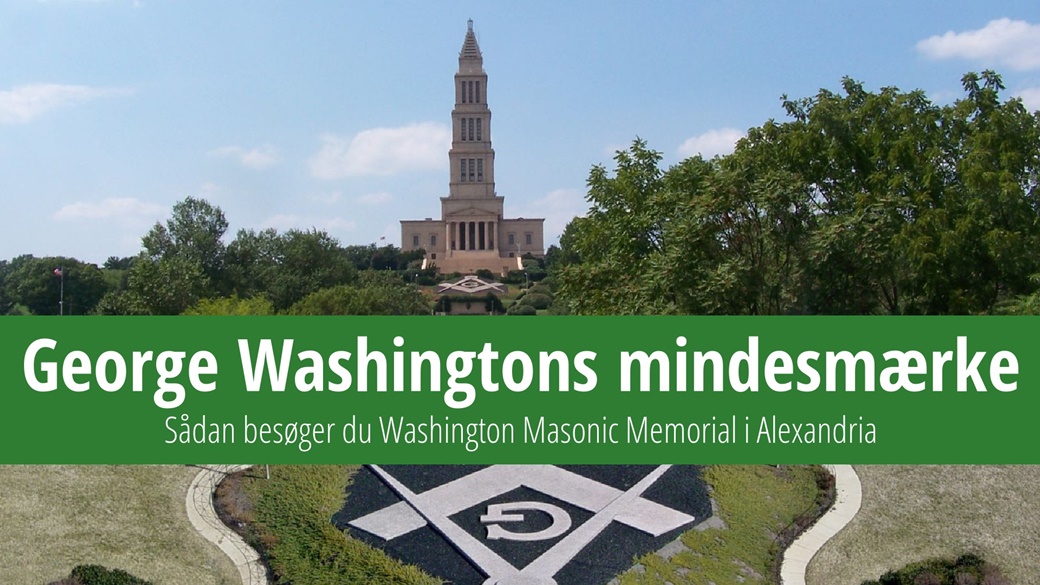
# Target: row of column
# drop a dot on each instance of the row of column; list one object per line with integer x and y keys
{"x": 472, "y": 235}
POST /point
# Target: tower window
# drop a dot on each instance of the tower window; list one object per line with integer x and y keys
{"x": 512, "y": 239}
{"x": 527, "y": 239}
{"x": 462, "y": 129}
{"x": 462, "y": 170}
{"x": 462, "y": 92}
{"x": 472, "y": 168}
{"x": 471, "y": 92}
{"x": 477, "y": 95}
{"x": 471, "y": 128}
{"x": 415, "y": 240}
{"x": 433, "y": 239}
{"x": 480, "y": 169}
{"x": 479, "y": 137}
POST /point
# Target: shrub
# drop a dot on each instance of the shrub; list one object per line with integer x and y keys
{"x": 537, "y": 300}
{"x": 518, "y": 309}
{"x": 541, "y": 289}
{"x": 98, "y": 575}
{"x": 514, "y": 277}
{"x": 967, "y": 569}
{"x": 927, "y": 578}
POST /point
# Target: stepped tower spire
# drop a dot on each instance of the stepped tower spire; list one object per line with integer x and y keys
{"x": 472, "y": 158}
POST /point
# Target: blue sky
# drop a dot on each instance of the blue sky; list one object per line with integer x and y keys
{"x": 336, "y": 115}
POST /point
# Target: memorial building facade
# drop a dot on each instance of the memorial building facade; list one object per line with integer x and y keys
{"x": 473, "y": 232}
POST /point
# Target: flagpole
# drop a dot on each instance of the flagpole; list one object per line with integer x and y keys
{"x": 61, "y": 301}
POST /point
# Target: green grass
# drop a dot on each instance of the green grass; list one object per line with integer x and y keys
{"x": 290, "y": 515}
{"x": 756, "y": 503}
{"x": 129, "y": 517}
{"x": 912, "y": 513}
{"x": 291, "y": 512}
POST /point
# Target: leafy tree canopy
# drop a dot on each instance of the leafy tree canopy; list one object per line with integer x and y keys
{"x": 862, "y": 203}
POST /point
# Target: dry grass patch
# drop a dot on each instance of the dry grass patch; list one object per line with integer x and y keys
{"x": 911, "y": 513}
{"x": 53, "y": 518}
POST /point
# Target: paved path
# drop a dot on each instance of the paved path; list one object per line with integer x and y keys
{"x": 203, "y": 517}
{"x": 848, "y": 496}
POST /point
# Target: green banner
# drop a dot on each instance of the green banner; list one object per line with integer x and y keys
{"x": 509, "y": 390}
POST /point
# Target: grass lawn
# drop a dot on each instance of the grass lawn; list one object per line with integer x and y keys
{"x": 755, "y": 502}
{"x": 911, "y": 513}
{"x": 290, "y": 515}
{"x": 289, "y": 519}
{"x": 127, "y": 517}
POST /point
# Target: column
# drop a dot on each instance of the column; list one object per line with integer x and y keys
{"x": 491, "y": 235}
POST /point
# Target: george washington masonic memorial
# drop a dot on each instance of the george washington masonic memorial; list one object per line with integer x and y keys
{"x": 473, "y": 232}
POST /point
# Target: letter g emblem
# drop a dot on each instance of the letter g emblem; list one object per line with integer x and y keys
{"x": 561, "y": 521}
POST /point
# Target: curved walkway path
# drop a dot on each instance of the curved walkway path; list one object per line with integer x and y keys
{"x": 847, "y": 499}
{"x": 203, "y": 517}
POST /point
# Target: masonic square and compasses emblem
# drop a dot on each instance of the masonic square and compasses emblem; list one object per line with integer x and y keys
{"x": 523, "y": 524}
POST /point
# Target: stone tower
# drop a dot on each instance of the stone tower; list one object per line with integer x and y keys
{"x": 472, "y": 233}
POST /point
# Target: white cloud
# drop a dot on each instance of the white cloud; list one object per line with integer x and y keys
{"x": 1030, "y": 98}
{"x": 558, "y": 208}
{"x": 382, "y": 151}
{"x": 125, "y": 210}
{"x": 257, "y": 158}
{"x": 713, "y": 142}
{"x": 287, "y": 221}
{"x": 1003, "y": 42}
{"x": 25, "y": 103}
{"x": 375, "y": 198}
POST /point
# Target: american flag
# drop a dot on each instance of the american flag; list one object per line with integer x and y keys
{"x": 57, "y": 272}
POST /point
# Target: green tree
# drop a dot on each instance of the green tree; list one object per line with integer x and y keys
{"x": 287, "y": 267}
{"x": 117, "y": 263}
{"x": 193, "y": 234}
{"x": 232, "y": 305}
{"x": 252, "y": 261}
{"x": 862, "y": 203}
{"x": 182, "y": 261}
{"x": 165, "y": 286}
{"x": 621, "y": 229}
{"x": 35, "y": 284}
{"x": 376, "y": 293}
{"x": 865, "y": 160}
{"x": 6, "y": 303}
{"x": 310, "y": 261}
